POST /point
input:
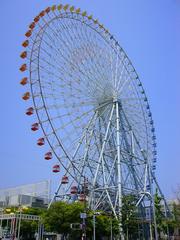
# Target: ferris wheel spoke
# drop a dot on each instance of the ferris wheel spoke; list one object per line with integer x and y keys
{"x": 64, "y": 85}
{"x": 127, "y": 79}
{"x": 117, "y": 66}
{"x": 67, "y": 59}
{"x": 125, "y": 84}
{"x": 116, "y": 69}
{"x": 63, "y": 105}
{"x": 78, "y": 118}
{"x": 121, "y": 79}
{"x": 73, "y": 89}
{"x": 61, "y": 116}
{"x": 60, "y": 69}
{"x": 78, "y": 39}
{"x": 65, "y": 43}
{"x": 89, "y": 125}
{"x": 79, "y": 144}
{"x": 98, "y": 56}
{"x": 61, "y": 96}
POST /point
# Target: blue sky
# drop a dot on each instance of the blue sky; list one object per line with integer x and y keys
{"x": 149, "y": 32}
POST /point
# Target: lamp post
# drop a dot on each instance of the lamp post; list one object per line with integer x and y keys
{"x": 21, "y": 208}
{"x": 83, "y": 216}
{"x": 111, "y": 229}
{"x": 94, "y": 224}
{"x": 19, "y": 223}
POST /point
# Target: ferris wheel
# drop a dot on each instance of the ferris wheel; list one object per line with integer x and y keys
{"x": 92, "y": 109}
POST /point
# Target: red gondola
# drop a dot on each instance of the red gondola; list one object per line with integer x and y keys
{"x": 42, "y": 14}
{"x": 30, "y": 111}
{"x": 36, "y": 19}
{"x": 48, "y": 156}
{"x": 23, "y": 68}
{"x": 40, "y": 141}
{"x": 35, "y": 127}
{"x": 24, "y": 81}
{"x": 48, "y": 9}
{"x": 26, "y": 96}
{"x": 32, "y": 25}
{"x": 25, "y": 43}
{"x": 28, "y": 33}
{"x": 23, "y": 54}
{"x": 82, "y": 197}
{"x": 74, "y": 190}
{"x": 64, "y": 180}
{"x": 56, "y": 168}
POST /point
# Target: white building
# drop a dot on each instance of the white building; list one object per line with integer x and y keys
{"x": 33, "y": 195}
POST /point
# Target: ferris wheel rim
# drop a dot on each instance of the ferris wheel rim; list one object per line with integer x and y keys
{"x": 113, "y": 40}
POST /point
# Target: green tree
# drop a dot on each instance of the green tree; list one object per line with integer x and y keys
{"x": 174, "y": 222}
{"x": 29, "y": 228}
{"x": 129, "y": 217}
{"x": 164, "y": 224}
{"x": 158, "y": 212}
{"x": 61, "y": 214}
{"x": 59, "y": 217}
{"x": 105, "y": 223}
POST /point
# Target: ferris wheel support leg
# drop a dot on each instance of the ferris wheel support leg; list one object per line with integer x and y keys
{"x": 119, "y": 171}
{"x": 85, "y": 157}
{"x": 166, "y": 207}
{"x": 103, "y": 146}
{"x": 152, "y": 200}
{"x": 167, "y": 210}
{"x": 154, "y": 218}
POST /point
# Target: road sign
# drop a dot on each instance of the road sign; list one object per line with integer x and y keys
{"x": 83, "y": 215}
{"x": 76, "y": 226}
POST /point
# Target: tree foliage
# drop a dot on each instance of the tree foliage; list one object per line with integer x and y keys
{"x": 160, "y": 219}
{"x": 129, "y": 216}
{"x": 29, "y": 228}
{"x": 59, "y": 217}
{"x": 166, "y": 225}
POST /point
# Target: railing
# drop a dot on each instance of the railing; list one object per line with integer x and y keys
{"x": 20, "y": 216}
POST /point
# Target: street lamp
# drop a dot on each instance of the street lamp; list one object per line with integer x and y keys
{"x": 83, "y": 216}
{"x": 111, "y": 229}
{"x": 94, "y": 224}
{"x": 110, "y": 214}
{"x": 20, "y": 210}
